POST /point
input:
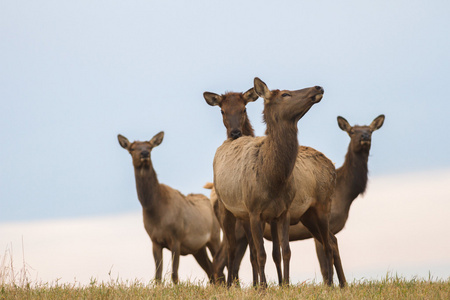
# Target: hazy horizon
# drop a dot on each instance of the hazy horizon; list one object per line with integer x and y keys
{"x": 117, "y": 247}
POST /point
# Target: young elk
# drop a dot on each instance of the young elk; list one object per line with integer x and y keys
{"x": 253, "y": 175}
{"x": 182, "y": 224}
{"x": 350, "y": 183}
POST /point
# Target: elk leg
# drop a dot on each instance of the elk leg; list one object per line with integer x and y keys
{"x": 276, "y": 254}
{"x": 158, "y": 257}
{"x": 175, "y": 261}
{"x": 322, "y": 260}
{"x": 283, "y": 232}
{"x": 318, "y": 226}
{"x": 220, "y": 261}
{"x": 253, "y": 254}
{"x": 241, "y": 247}
{"x": 256, "y": 226}
{"x": 337, "y": 261}
{"x": 215, "y": 246}
{"x": 202, "y": 258}
{"x": 229, "y": 225}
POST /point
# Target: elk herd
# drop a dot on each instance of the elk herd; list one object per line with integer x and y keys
{"x": 265, "y": 187}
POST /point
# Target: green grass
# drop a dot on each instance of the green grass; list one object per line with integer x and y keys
{"x": 389, "y": 288}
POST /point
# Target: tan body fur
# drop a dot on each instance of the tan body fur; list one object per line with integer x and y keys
{"x": 183, "y": 224}
{"x": 237, "y": 161}
{"x": 312, "y": 180}
{"x": 253, "y": 176}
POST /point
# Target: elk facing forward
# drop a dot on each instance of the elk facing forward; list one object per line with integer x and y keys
{"x": 234, "y": 115}
{"x": 182, "y": 224}
{"x": 350, "y": 183}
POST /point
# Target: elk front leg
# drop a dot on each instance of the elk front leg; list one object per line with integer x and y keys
{"x": 253, "y": 255}
{"x": 276, "y": 254}
{"x": 229, "y": 225}
{"x": 257, "y": 226}
{"x": 283, "y": 232}
{"x": 158, "y": 257}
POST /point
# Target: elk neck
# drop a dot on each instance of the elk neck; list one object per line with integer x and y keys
{"x": 148, "y": 188}
{"x": 352, "y": 176}
{"x": 279, "y": 151}
{"x": 247, "y": 128}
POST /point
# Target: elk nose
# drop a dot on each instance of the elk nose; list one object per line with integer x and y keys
{"x": 235, "y": 133}
{"x": 365, "y": 136}
{"x": 145, "y": 154}
{"x": 319, "y": 88}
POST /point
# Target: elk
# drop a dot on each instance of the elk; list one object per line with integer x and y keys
{"x": 237, "y": 124}
{"x": 253, "y": 176}
{"x": 183, "y": 224}
{"x": 308, "y": 160}
{"x": 242, "y": 233}
{"x": 350, "y": 183}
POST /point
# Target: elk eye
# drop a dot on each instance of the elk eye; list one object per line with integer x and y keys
{"x": 221, "y": 111}
{"x": 285, "y": 95}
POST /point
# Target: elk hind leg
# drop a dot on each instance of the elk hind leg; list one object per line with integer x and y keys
{"x": 219, "y": 262}
{"x": 318, "y": 226}
{"x": 337, "y": 261}
{"x": 201, "y": 256}
{"x": 321, "y": 256}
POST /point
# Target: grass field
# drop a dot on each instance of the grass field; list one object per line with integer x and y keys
{"x": 16, "y": 284}
{"x": 392, "y": 287}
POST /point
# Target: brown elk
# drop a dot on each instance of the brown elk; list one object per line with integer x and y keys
{"x": 237, "y": 124}
{"x": 350, "y": 183}
{"x": 242, "y": 234}
{"x": 183, "y": 224}
{"x": 253, "y": 177}
{"x": 310, "y": 159}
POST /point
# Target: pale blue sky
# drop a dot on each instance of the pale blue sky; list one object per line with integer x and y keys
{"x": 75, "y": 74}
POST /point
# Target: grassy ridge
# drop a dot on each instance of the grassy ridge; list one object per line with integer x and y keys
{"x": 389, "y": 288}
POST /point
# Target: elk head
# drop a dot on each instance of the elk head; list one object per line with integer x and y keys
{"x": 233, "y": 109}
{"x": 287, "y": 105}
{"x": 361, "y": 136}
{"x": 140, "y": 151}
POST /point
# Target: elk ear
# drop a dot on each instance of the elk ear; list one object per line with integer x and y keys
{"x": 212, "y": 99}
{"x": 250, "y": 95}
{"x": 343, "y": 124}
{"x": 208, "y": 185}
{"x": 123, "y": 141}
{"x": 377, "y": 123}
{"x": 157, "y": 139}
{"x": 261, "y": 88}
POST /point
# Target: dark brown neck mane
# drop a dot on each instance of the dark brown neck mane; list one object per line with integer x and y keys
{"x": 148, "y": 188}
{"x": 247, "y": 128}
{"x": 352, "y": 176}
{"x": 279, "y": 150}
